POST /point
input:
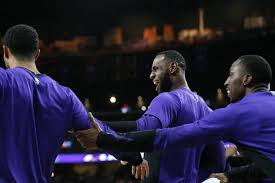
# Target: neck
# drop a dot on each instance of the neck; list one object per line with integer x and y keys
{"x": 30, "y": 65}
{"x": 179, "y": 82}
{"x": 257, "y": 88}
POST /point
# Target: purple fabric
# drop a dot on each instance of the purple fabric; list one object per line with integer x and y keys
{"x": 36, "y": 113}
{"x": 170, "y": 109}
{"x": 250, "y": 121}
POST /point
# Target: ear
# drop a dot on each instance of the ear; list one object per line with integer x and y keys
{"x": 173, "y": 67}
{"x": 37, "y": 54}
{"x": 6, "y": 52}
{"x": 247, "y": 79}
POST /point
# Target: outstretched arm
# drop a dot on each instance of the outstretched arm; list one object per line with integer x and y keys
{"x": 212, "y": 128}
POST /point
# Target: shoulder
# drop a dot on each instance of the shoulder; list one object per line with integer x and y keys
{"x": 166, "y": 98}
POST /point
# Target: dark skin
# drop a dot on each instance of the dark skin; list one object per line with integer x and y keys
{"x": 89, "y": 142}
{"x": 167, "y": 76}
{"x": 12, "y": 61}
{"x": 238, "y": 85}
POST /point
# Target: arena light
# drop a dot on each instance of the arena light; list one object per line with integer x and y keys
{"x": 88, "y": 158}
{"x": 84, "y": 158}
{"x": 113, "y": 99}
{"x": 102, "y": 157}
{"x": 143, "y": 108}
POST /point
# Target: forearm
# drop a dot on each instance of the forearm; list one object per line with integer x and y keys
{"x": 200, "y": 132}
{"x": 122, "y": 126}
{"x": 133, "y": 158}
{"x": 131, "y": 142}
{"x": 146, "y": 122}
{"x": 106, "y": 128}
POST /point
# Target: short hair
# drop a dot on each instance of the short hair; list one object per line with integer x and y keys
{"x": 22, "y": 40}
{"x": 173, "y": 55}
{"x": 258, "y": 67}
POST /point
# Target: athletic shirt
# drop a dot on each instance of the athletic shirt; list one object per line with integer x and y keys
{"x": 36, "y": 113}
{"x": 175, "y": 108}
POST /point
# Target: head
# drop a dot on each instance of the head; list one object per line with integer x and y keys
{"x": 166, "y": 66}
{"x": 20, "y": 44}
{"x": 248, "y": 73}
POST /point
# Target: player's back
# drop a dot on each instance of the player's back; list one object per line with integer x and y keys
{"x": 36, "y": 113}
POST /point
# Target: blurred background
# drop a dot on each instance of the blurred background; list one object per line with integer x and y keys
{"x": 103, "y": 51}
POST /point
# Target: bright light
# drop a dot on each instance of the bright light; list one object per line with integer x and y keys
{"x": 143, "y": 108}
{"x": 124, "y": 110}
{"x": 102, "y": 157}
{"x": 110, "y": 158}
{"x": 113, "y": 100}
{"x": 88, "y": 158}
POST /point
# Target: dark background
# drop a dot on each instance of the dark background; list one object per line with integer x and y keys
{"x": 97, "y": 71}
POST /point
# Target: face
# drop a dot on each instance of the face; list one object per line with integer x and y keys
{"x": 160, "y": 74}
{"x": 234, "y": 84}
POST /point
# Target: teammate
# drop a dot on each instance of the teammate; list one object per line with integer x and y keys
{"x": 36, "y": 112}
{"x": 175, "y": 105}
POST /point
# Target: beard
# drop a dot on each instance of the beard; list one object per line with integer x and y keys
{"x": 165, "y": 84}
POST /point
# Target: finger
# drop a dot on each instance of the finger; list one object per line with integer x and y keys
{"x": 137, "y": 175}
{"x": 147, "y": 170}
{"x": 142, "y": 173}
{"x": 123, "y": 162}
{"x": 133, "y": 170}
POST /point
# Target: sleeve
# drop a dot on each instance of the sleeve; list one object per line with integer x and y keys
{"x": 214, "y": 155}
{"x": 105, "y": 128}
{"x": 134, "y": 158}
{"x": 213, "y": 160}
{"x": 80, "y": 119}
{"x": 122, "y": 126}
{"x": 212, "y": 128}
{"x": 147, "y": 122}
{"x": 163, "y": 108}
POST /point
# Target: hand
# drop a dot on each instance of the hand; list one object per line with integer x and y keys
{"x": 230, "y": 151}
{"x": 87, "y": 138}
{"x": 124, "y": 162}
{"x": 220, "y": 176}
{"x": 141, "y": 171}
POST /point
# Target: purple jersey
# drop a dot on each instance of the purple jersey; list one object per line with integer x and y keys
{"x": 36, "y": 113}
{"x": 250, "y": 121}
{"x": 170, "y": 109}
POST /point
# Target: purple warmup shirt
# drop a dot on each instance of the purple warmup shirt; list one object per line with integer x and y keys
{"x": 36, "y": 113}
{"x": 170, "y": 109}
{"x": 250, "y": 121}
